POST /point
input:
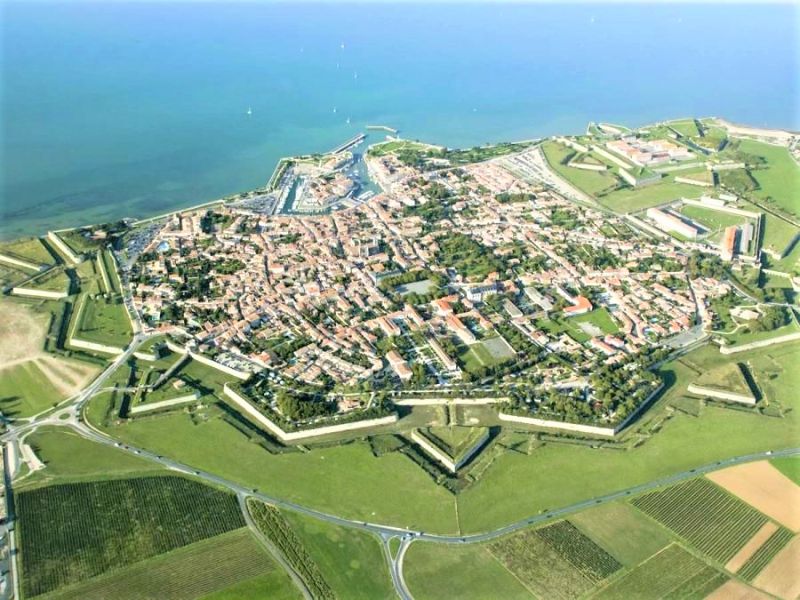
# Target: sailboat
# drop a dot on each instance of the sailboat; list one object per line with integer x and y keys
{"x": 249, "y": 111}
{"x": 348, "y": 120}
{"x": 334, "y": 110}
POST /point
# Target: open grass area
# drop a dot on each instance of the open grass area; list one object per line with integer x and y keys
{"x": 789, "y": 466}
{"x": 778, "y": 234}
{"x": 71, "y": 532}
{"x": 713, "y": 220}
{"x": 68, "y": 457}
{"x": 623, "y": 531}
{"x": 53, "y": 280}
{"x": 103, "y": 322}
{"x": 599, "y": 318}
{"x": 468, "y": 572}
{"x": 590, "y": 182}
{"x": 711, "y": 519}
{"x": 633, "y": 199}
{"x": 744, "y": 337}
{"x": 275, "y": 585}
{"x": 28, "y": 249}
{"x": 672, "y": 573}
{"x": 351, "y": 561}
{"x": 187, "y": 573}
{"x": 345, "y": 480}
{"x": 25, "y": 391}
{"x": 685, "y": 127}
{"x": 553, "y": 475}
{"x": 779, "y": 182}
{"x": 727, "y": 377}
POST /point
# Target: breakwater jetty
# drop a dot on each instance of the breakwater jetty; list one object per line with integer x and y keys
{"x": 355, "y": 141}
{"x": 391, "y": 130}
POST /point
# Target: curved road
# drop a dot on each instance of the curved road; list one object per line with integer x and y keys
{"x": 70, "y": 415}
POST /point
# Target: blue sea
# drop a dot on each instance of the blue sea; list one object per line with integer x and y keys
{"x": 132, "y": 109}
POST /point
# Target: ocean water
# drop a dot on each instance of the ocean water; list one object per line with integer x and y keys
{"x": 132, "y": 109}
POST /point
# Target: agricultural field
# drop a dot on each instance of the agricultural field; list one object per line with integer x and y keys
{"x": 556, "y": 561}
{"x": 764, "y": 555}
{"x": 275, "y": 585}
{"x": 764, "y": 487}
{"x": 189, "y": 572}
{"x": 275, "y": 527}
{"x": 468, "y": 572}
{"x": 590, "y": 182}
{"x": 710, "y": 519}
{"x": 25, "y": 390}
{"x": 351, "y": 561}
{"x": 623, "y": 531}
{"x": 672, "y": 573}
{"x": 789, "y": 466}
{"x": 779, "y": 576}
{"x": 71, "y": 532}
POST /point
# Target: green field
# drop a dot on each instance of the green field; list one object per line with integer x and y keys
{"x": 273, "y": 525}
{"x": 713, "y": 220}
{"x": 554, "y": 562}
{"x": 590, "y": 182}
{"x": 345, "y": 480}
{"x": 685, "y": 127}
{"x": 633, "y": 199}
{"x": 762, "y": 557}
{"x": 54, "y": 280}
{"x": 780, "y": 180}
{"x": 672, "y": 573}
{"x": 351, "y": 561}
{"x": 599, "y": 317}
{"x": 103, "y": 322}
{"x": 70, "y": 457}
{"x": 25, "y": 391}
{"x": 468, "y": 572}
{"x": 71, "y": 532}
{"x": 28, "y": 249}
{"x": 727, "y": 377}
{"x": 190, "y": 572}
{"x": 628, "y": 535}
{"x": 789, "y": 466}
{"x": 454, "y": 441}
{"x": 275, "y": 585}
{"x": 742, "y": 337}
{"x": 712, "y": 520}
{"x": 778, "y": 234}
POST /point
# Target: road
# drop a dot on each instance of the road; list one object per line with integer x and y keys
{"x": 71, "y": 416}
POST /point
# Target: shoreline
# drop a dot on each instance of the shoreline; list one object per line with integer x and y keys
{"x": 739, "y": 129}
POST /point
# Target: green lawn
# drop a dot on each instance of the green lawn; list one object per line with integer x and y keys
{"x": 351, "y": 561}
{"x": 623, "y": 531}
{"x": 739, "y": 338}
{"x": 780, "y": 180}
{"x": 210, "y": 566}
{"x": 789, "y": 466}
{"x": 778, "y": 234}
{"x": 713, "y": 220}
{"x": 55, "y": 280}
{"x": 599, "y": 317}
{"x": 469, "y": 572}
{"x": 591, "y": 182}
{"x": 632, "y": 199}
{"x": 686, "y": 127}
{"x": 727, "y": 377}
{"x": 25, "y": 391}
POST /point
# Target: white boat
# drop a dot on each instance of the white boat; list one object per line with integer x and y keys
{"x": 348, "y": 120}
{"x": 334, "y": 110}
{"x": 249, "y": 111}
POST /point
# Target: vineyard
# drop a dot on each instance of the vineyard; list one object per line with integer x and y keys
{"x": 714, "y": 521}
{"x": 557, "y": 561}
{"x": 581, "y": 552}
{"x": 671, "y": 574}
{"x": 277, "y": 529}
{"x": 761, "y": 557}
{"x": 74, "y": 531}
{"x": 184, "y": 574}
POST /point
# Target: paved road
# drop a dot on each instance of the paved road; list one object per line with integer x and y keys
{"x": 385, "y": 533}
